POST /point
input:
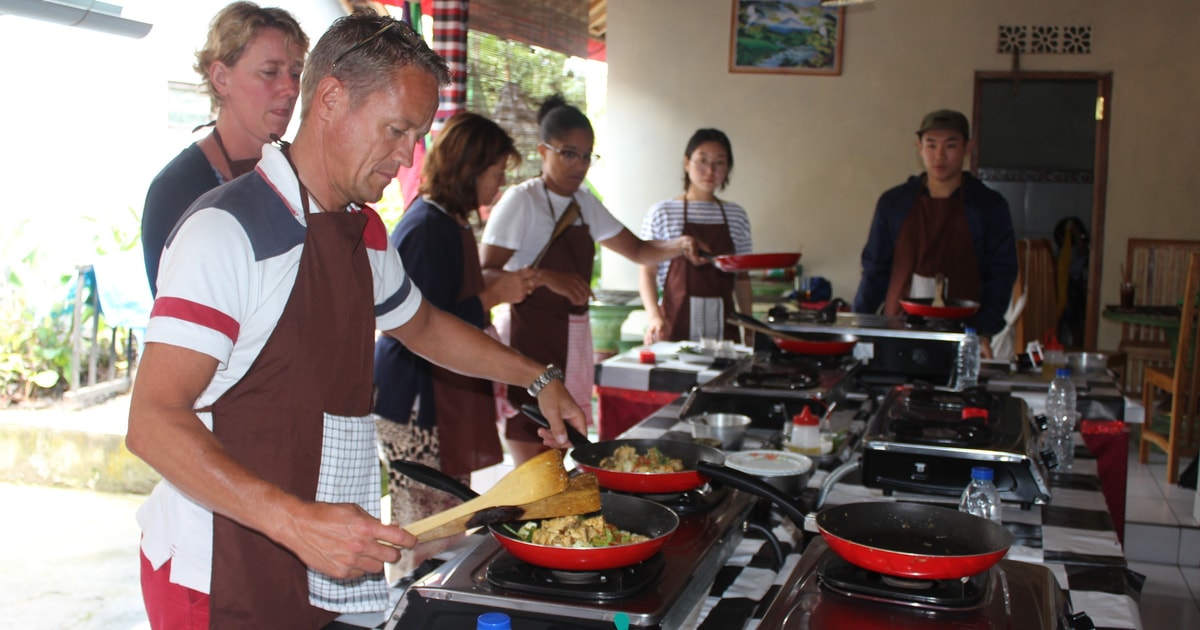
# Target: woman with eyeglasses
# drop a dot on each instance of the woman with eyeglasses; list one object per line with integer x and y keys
{"x": 696, "y": 299}
{"x": 250, "y": 66}
{"x": 552, "y": 223}
{"x": 426, "y": 413}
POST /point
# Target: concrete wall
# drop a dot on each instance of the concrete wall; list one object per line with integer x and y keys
{"x": 813, "y": 153}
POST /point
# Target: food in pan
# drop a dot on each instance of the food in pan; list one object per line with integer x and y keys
{"x": 577, "y": 531}
{"x": 627, "y": 459}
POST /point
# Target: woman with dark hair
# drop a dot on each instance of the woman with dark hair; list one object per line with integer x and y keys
{"x": 418, "y": 404}
{"x": 696, "y": 300}
{"x": 552, "y": 223}
{"x": 250, "y": 66}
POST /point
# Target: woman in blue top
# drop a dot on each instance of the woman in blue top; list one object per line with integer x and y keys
{"x": 251, "y": 67}
{"x": 419, "y": 406}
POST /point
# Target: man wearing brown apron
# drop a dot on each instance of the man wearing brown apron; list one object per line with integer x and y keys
{"x": 943, "y": 221}
{"x": 253, "y": 396}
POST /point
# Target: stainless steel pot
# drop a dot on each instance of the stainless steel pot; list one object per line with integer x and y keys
{"x": 729, "y": 428}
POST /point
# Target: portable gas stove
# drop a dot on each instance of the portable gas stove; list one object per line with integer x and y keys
{"x": 771, "y": 387}
{"x": 662, "y": 592}
{"x": 926, "y": 440}
{"x": 825, "y": 591}
{"x": 899, "y": 346}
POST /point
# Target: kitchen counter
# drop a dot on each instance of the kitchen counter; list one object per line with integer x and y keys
{"x": 1074, "y": 535}
{"x": 629, "y": 390}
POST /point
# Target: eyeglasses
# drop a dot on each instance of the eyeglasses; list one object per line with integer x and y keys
{"x": 573, "y": 157}
{"x": 716, "y": 165}
{"x": 383, "y": 29}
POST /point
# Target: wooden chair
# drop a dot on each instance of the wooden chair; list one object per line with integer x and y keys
{"x": 1182, "y": 383}
{"x": 1158, "y": 269}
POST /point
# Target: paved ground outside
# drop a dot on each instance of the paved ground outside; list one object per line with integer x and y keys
{"x": 69, "y": 560}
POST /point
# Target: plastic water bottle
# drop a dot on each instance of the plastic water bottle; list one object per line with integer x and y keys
{"x": 493, "y": 621}
{"x": 1061, "y": 415}
{"x": 981, "y": 497}
{"x": 966, "y": 368}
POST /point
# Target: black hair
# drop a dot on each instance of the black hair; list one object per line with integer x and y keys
{"x": 556, "y": 117}
{"x": 708, "y": 135}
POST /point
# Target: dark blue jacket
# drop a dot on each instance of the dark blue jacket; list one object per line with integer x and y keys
{"x": 991, "y": 234}
{"x": 430, "y": 245}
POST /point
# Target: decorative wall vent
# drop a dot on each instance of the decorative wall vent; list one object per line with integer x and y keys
{"x": 1045, "y": 40}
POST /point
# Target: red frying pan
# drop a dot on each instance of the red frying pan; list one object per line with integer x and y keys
{"x": 816, "y": 343}
{"x": 632, "y": 514}
{"x": 913, "y": 539}
{"x": 799, "y": 343}
{"x": 747, "y": 262}
{"x": 587, "y": 456}
{"x": 954, "y": 309}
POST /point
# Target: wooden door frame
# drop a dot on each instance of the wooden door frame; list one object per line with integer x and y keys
{"x": 1099, "y": 174}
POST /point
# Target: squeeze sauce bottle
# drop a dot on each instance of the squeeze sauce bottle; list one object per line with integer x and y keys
{"x": 806, "y": 433}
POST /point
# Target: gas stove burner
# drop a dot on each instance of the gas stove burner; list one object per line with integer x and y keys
{"x": 696, "y": 501}
{"x": 515, "y": 575}
{"x": 966, "y": 432}
{"x": 918, "y": 322}
{"x": 796, "y": 380}
{"x": 923, "y": 399}
{"x": 839, "y": 576}
{"x": 803, "y": 361}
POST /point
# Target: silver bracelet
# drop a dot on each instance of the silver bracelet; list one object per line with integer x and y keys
{"x": 542, "y": 381}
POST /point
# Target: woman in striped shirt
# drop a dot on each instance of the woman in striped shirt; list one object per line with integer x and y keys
{"x": 695, "y": 299}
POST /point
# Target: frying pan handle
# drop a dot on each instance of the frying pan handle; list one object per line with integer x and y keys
{"x": 434, "y": 478}
{"x": 573, "y": 434}
{"x": 755, "y": 486}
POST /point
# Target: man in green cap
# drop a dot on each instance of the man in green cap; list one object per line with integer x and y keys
{"x": 943, "y": 221}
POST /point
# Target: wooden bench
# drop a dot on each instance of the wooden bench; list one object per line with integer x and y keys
{"x": 1158, "y": 270}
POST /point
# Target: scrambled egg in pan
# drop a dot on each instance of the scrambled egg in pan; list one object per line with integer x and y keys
{"x": 577, "y": 531}
{"x": 626, "y": 459}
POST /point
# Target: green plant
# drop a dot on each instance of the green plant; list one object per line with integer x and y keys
{"x": 35, "y": 331}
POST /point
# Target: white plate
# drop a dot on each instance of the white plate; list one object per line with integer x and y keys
{"x": 769, "y": 463}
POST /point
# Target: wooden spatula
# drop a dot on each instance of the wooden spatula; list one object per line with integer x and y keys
{"x": 939, "y": 291}
{"x": 536, "y": 479}
{"x": 581, "y": 497}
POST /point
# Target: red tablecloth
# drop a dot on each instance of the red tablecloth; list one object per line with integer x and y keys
{"x": 1108, "y": 440}
{"x": 623, "y": 408}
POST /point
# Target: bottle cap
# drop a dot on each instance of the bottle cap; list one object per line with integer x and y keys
{"x": 806, "y": 418}
{"x": 982, "y": 473}
{"x": 970, "y": 330}
{"x": 493, "y": 621}
{"x": 1062, "y": 372}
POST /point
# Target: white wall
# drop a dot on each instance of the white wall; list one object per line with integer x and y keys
{"x": 813, "y": 153}
{"x": 83, "y": 124}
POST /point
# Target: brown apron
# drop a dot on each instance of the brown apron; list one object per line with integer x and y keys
{"x": 685, "y": 281}
{"x": 466, "y": 407}
{"x": 317, "y": 360}
{"x": 935, "y": 238}
{"x": 540, "y": 323}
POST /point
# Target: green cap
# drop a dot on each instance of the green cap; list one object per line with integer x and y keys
{"x": 946, "y": 119}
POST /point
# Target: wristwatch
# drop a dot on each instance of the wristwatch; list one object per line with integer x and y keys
{"x": 542, "y": 381}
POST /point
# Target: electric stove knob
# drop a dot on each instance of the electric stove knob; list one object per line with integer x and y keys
{"x": 1049, "y": 459}
{"x": 1080, "y": 621}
